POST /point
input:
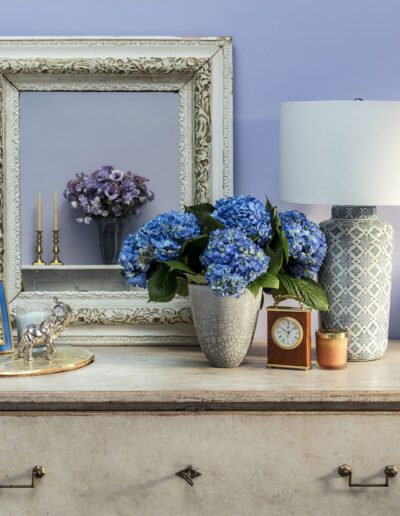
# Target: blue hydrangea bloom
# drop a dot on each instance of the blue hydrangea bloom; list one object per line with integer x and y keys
{"x": 307, "y": 244}
{"x": 232, "y": 261}
{"x": 245, "y": 213}
{"x": 160, "y": 238}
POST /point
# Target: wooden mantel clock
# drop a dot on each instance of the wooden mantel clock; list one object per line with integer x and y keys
{"x": 289, "y": 337}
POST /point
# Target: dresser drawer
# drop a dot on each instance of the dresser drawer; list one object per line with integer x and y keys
{"x": 250, "y": 463}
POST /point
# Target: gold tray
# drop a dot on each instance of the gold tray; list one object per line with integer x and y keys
{"x": 66, "y": 359}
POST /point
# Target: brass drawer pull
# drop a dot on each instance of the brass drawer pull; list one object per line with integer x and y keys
{"x": 345, "y": 471}
{"x": 188, "y": 474}
{"x": 37, "y": 472}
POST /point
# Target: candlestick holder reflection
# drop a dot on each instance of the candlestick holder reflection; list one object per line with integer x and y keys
{"x": 39, "y": 249}
{"x": 56, "y": 250}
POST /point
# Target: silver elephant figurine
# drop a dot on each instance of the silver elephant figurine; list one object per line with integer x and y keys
{"x": 46, "y": 332}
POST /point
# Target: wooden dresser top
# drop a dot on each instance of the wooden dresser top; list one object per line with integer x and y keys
{"x": 168, "y": 378}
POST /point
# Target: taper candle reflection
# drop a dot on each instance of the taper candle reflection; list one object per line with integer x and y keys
{"x": 56, "y": 235}
{"x": 39, "y": 212}
{"x": 55, "y": 211}
{"x": 39, "y": 258}
{"x": 39, "y": 238}
{"x": 56, "y": 249}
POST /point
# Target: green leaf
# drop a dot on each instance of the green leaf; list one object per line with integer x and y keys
{"x": 285, "y": 245}
{"x": 269, "y": 205}
{"x": 278, "y": 239}
{"x": 276, "y": 260}
{"x": 182, "y": 287}
{"x": 206, "y": 221}
{"x": 198, "y": 279}
{"x": 209, "y": 223}
{"x": 204, "y": 207}
{"x": 272, "y": 210}
{"x": 152, "y": 270}
{"x": 275, "y": 245}
{"x": 190, "y": 276}
{"x": 195, "y": 245}
{"x": 304, "y": 290}
{"x": 176, "y": 265}
{"x": 162, "y": 285}
{"x": 192, "y": 250}
{"x": 266, "y": 280}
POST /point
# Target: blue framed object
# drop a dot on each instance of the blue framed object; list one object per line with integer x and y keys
{"x": 6, "y": 340}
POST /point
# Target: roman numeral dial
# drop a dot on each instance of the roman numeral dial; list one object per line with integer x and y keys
{"x": 287, "y": 332}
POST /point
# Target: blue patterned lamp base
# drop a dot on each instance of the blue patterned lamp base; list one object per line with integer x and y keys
{"x": 356, "y": 275}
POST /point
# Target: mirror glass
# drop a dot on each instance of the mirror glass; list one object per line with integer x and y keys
{"x": 65, "y": 133}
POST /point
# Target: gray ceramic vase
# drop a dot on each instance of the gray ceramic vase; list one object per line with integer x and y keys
{"x": 225, "y": 326}
{"x": 356, "y": 275}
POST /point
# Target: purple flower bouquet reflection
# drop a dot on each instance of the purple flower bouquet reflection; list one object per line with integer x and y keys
{"x": 108, "y": 196}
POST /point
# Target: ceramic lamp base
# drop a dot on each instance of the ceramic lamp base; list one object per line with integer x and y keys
{"x": 356, "y": 275}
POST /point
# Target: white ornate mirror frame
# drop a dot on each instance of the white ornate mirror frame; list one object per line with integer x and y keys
{"x": 200, "y": 71}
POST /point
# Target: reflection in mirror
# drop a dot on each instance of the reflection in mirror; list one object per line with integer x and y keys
{"x": 65, "y": 133}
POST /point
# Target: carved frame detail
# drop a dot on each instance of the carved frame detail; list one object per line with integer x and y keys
{"x": 193, "y": 76}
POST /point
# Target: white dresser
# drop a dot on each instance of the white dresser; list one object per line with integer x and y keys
{"x": 267, "y": 442}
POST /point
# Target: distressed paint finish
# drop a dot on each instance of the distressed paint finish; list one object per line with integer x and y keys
{"x": 132, "y": 422}
{"x": 145, "y": 378}
{"x": 140, "y": 315}
{"x": 140, "y": 66}
{"x": 102, "y": 464}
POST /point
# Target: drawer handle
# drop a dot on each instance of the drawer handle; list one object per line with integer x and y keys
{"x": 37, "y": 472}
{"x": 345, "y": 471}
{"x": 188, "y": 474}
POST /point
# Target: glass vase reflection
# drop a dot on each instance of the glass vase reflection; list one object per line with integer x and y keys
{"x": 110, "y": 238}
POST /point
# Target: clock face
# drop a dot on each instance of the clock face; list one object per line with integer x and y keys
{"x": 59, "y": 310}
{"x": 287, "y": 332}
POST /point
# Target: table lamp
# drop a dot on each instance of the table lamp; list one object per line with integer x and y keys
{"x": 347, "y": 154}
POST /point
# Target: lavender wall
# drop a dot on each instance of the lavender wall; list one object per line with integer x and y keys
{"x": 63, "y": 133}
{"x": 284, "y": 50}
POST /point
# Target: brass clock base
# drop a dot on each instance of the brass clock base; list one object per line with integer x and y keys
{"x": 66, "y": 359}
{"x": 282, "y": 366}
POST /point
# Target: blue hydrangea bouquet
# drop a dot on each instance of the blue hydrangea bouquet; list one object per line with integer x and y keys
{"x": 238, "y": 244}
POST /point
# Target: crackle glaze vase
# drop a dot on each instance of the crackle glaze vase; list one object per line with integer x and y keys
{"x": 356, "y": 275}
{"x": 225, "y": 326}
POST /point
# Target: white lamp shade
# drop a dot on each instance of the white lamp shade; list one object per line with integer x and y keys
{"x": 340, "y": 152}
